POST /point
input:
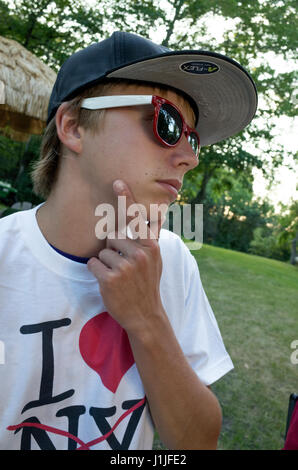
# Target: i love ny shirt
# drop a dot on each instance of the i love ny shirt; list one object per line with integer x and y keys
{"x": 67, "y": 373}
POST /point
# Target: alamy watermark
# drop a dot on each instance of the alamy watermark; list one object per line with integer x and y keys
{"x": 294, "y": 95}
{"x": 294, "y": 355}
{"x": 2, "y": 352}
{"x": 184, "y": 220}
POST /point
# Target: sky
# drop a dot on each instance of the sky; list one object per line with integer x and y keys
{"x": 286, "y": 181}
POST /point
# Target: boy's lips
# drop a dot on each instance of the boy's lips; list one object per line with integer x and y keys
{"x": 172, "y": 185}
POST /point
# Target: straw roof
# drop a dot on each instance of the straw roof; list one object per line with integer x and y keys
{"x": 25, "y": 88}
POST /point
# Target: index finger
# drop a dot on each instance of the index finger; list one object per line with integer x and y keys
{"x": 156, "y": 225}
{"x": 138, "y": 225}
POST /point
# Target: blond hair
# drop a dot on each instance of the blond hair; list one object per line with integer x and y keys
{"x": 45, "y": 170}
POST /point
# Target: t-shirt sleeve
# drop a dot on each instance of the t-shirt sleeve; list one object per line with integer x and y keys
{"x": 200, "y": 337}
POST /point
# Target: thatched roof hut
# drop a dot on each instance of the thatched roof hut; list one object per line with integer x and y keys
{"x": 25, "y": 87}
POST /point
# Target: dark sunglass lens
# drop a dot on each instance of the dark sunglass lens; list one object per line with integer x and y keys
{"x": 169, "y": 124}
{"x": 193, "y": 140}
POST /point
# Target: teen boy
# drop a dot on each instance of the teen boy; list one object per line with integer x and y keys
{"x": 104, "y": 337}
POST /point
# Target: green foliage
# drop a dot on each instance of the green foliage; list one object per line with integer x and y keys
{"x": 231, "y": 214}
{"x": 16, "y": 159}
{"x": 8, "y": 211}
{"x": 54, "y": 29}
{"x": 39, "y": 25}
{"x": 234, "y": 219}
{"x": 23, "y": 182}
{"x": 288, "y": 222}
{"x": 265, "y": 243}
{"x": 7, "y": 193}
{"x": 10, "y": 153}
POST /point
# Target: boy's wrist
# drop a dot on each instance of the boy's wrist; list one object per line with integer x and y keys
{"x": 150, "y": 326}
{"x": 154, "y": 328}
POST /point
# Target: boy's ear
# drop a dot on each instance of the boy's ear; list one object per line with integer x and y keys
{"x": 68, "y": 129}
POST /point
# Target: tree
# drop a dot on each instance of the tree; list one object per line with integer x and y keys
{"x": 40, "y": 26}
{"x": 261, "y": 26}
{"x": 288, "y": 228}
{"x": 231, "y": 214}
{"x": 265, "y": 243}
{"x": 53, "y": 29}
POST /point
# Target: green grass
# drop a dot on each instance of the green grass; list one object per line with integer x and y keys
{"x": 255, "y": 301}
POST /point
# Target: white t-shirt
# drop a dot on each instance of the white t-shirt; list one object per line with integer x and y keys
{"x": 67, "y": 374}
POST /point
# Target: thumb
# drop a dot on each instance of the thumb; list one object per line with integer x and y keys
{"x": 127, "y": 207}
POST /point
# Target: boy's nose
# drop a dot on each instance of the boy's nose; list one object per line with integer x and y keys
{"x": 184, "y": 154}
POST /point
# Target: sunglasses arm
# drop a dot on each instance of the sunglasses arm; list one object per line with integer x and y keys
{"x": 115, "y": 101}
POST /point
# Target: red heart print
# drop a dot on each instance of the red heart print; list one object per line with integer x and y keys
{"x": 105, "y": 347}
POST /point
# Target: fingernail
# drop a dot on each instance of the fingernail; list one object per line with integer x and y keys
{"x": 118, "y": 185}
{"x": 90, "y": 263}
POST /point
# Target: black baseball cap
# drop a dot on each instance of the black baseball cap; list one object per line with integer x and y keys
{"x": 221, "y": 91}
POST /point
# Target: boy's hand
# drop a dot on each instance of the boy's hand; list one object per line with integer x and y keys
{"x": 129, "y": 282}
{"x": 185, "y": 413}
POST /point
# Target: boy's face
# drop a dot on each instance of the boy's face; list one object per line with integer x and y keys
{"x": 126, "y": 148}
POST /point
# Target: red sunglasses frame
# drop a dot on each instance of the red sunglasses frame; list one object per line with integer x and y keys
{"x": 158, "y": 102}
{"x": 115, "y": 101}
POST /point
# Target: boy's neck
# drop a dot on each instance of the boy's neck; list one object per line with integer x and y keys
{"x": 70, "y": 227}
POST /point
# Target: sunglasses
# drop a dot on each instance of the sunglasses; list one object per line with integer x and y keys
{"x": 168, "y": 125}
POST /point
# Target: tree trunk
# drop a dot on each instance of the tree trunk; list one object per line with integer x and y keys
{"x": 33, "y": 19}
{"x": 293, "y": 250}
{"x": 22, "y": 162}
{"x": 201, "y": 195}
{"x": 171, "y": 24}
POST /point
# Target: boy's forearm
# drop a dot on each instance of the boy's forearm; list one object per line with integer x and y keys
{"x": 186, "y": 413}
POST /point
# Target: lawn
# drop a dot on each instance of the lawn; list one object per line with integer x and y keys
{"x": 255, "y": 301}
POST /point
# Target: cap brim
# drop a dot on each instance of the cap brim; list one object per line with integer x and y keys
{"x": 223, "y": 91}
